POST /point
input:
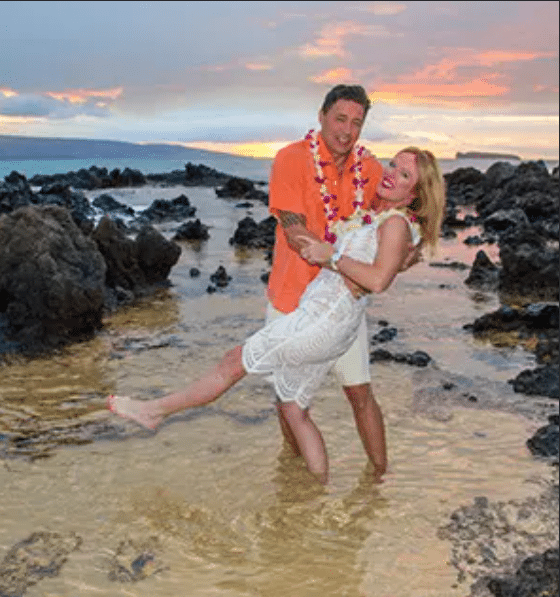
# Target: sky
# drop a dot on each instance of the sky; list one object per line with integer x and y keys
{"x": 249, "y": 77}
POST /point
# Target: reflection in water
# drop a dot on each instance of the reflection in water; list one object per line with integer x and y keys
{"x": 307, "y": 540}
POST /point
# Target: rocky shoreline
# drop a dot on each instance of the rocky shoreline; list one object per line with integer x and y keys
{"x": 65, "y": 262}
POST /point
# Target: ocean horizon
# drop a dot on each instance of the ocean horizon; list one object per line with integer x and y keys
{"x": 255, "y": 169}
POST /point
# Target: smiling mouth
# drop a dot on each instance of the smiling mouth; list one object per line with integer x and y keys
{"x": 387, "y": 184}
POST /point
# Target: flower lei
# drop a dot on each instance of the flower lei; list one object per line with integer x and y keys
{"x": 328, "y": 199}
{"x": 357, "y": 220}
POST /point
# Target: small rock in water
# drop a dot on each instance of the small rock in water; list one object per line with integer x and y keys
{"x": 419, "y": 359}
{"x": 41, "y": 555}
{"x": 384, "y": 335}
{"x": 132, "y": 563}
{"x": 220, "y": 277}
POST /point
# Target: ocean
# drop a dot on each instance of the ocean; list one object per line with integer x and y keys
{"x": 245, "y": 167}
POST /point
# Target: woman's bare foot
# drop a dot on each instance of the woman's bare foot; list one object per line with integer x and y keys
{"x": 139, "y": 411}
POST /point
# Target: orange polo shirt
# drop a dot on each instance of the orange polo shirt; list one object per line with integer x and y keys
{"x": 293, "y": 188}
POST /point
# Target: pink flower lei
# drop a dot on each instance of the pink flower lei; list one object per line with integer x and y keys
{"x": 328, "y": 199}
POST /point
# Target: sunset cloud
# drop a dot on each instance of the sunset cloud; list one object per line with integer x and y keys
{"x": 258, "y": 66}
{"x": 82, "y": 96}
{"x": 446, "y": 82}
{"x": 494, "y": 57}
{"x": 332, "y": 36}
{"x": 7, "y": 92}
{"x": 63, "y": 105}
{"x": 257, "y": 149}
{"x": 333, "y": 76}
{"x": 461, "y": 95}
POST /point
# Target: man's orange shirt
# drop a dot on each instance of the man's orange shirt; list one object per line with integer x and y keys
{"x": 293, "y": 188}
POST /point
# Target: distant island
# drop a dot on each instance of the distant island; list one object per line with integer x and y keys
{"x": 485, "y": 155}
{"x": 13, "y": 147}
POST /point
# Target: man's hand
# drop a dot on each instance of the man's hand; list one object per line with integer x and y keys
{"x": 315, "y": 251}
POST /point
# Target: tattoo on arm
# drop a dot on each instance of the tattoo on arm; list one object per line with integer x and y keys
{"x": 289, "y": 218}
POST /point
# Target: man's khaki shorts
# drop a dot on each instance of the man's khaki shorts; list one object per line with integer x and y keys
{"x": 352, "y": 368}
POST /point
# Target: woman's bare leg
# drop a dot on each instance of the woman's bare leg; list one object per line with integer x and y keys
{"x": 286, "y": 431}
{"x": 308, "y": 439}
{"x": 150, "y": 413}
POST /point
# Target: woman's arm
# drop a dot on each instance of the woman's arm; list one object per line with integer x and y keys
{"x": 393, "y": 247}
{"x": 298, "y": 236}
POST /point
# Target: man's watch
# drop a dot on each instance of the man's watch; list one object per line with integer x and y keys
{"x": 335, "y": 257}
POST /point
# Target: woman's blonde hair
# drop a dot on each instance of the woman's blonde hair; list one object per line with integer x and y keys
{"x": 429, "y": 204}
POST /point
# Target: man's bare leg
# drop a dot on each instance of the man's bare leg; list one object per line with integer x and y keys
{"x": 308, "y": 438}
{"x": 369, "y": 422}
{"x": 150, "y": 413}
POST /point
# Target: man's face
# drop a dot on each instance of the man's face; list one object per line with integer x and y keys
{"x": 341, "y": 126}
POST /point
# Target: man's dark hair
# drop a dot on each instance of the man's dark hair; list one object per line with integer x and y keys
{"x": 353, "y": 93}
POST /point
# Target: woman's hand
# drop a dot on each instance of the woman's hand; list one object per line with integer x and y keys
{"x": 315, "y": 252}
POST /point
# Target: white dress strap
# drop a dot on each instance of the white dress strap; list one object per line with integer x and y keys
{"x": 414, "y": 227}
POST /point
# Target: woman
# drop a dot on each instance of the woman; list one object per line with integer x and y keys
{"x": 298, "y": 349}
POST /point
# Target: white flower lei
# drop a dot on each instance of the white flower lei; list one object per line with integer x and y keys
{"x": 328, "y": 199}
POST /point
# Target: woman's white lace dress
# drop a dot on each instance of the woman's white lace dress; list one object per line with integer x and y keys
{"x": 299, "y": 348}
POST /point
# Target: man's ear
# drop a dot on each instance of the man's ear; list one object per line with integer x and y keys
{"x": 320, "y": 117}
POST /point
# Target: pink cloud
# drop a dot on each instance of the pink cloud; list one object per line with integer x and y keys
{"x": 7, "y": 92}
{"x": 81, "y": 96}
{"x": 458, "y": 95}
{"x": 258, "y": 66}
{"x": 445, "y": 82}
{"x": 334, "y": 75}
{"x": 332, "y": 36}
{"x": 493, "y": 57}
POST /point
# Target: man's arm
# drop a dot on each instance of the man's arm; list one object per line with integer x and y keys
{"x": 294, "y": 227}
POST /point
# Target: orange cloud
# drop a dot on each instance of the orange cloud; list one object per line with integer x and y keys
{"x": 458, "y": 95}
{"x": 443, "y": 83}
{"x": 480, "y": 87}
{"x": 81, "y": 96}
{"x": 334, "y": 75}
{"x": 498, "y": 56}
{"x": 258, "y": 66}
{"x": 7, "y": 92}
{"x": 447, "y": 68}
{"x": 330, "y": 42}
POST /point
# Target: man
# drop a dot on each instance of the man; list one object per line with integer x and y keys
{"x": 314, "y": 183}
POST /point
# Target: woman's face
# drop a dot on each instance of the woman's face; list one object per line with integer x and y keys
{"x": 398, "y": 182}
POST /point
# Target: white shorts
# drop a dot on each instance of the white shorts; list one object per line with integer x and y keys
{"x": 352, "y": 368}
